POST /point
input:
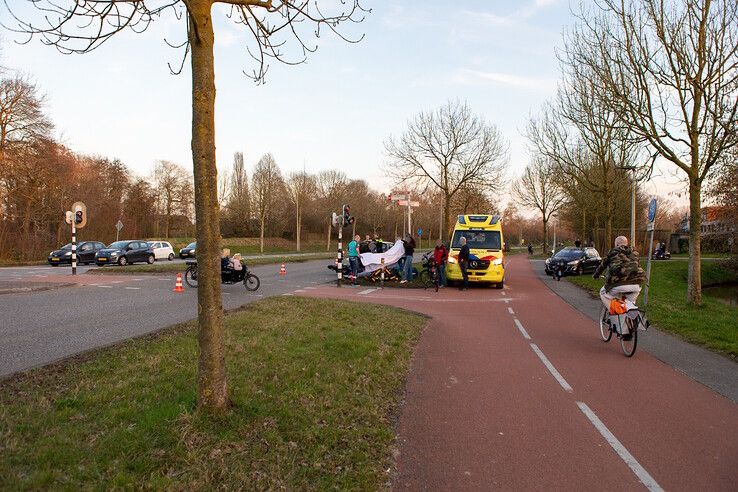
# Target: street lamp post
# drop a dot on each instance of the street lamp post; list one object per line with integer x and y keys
{"x": 632, "y": 204}
{"x": 556, "y": 219}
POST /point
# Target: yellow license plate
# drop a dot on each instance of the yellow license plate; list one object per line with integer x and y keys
{"x": 102, "y": 259}
{"x": 55, "y": 259}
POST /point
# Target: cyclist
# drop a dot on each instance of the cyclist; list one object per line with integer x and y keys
{"x": 623, "y": 273}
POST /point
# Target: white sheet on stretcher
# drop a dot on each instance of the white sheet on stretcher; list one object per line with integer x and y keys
{"x": 373, "y": 261}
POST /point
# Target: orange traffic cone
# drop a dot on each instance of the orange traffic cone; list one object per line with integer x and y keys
{"x": 282, "y": 271}
{"x": 178, "y": 285}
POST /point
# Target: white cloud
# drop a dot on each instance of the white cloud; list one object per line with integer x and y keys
{"x": 516, "y": 17}
{"x": 475, "y": 77}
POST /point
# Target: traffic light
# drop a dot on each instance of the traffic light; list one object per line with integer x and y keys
{"x": 79, "y": 211}
{"x": 347, "y": 219}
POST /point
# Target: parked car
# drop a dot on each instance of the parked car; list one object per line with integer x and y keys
{"x": 573, "y": 261}
{"x": 188, "y": 251}
{"x": 162, "y": 250}
{"x": 125, "y": 252}
{"x": 86, "y": 251}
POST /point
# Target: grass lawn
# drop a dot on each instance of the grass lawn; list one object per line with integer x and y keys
{"x": 315, "y": 384}
{"x": 713, "y": 325}
{"x": 167, "y": 267}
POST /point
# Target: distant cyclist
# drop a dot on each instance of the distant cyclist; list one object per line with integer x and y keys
{"x": 623, "y": 273}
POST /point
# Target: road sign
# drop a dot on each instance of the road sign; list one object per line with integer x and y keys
{"x": 402, "y": 203}
{"x": 652, "y": 210}
{"x": 415, "y": 204}
{"x": 119, "y": 226}
{"x": 68, "y": 216}
{"x": 420, "y": 232}
{"x": 649, "y": 226}
{"x": 399, "y": 197}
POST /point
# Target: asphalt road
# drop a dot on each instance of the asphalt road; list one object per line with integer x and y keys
{"x": 37, "y": 328}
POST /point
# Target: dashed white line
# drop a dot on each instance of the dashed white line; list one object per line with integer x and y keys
{"x": 299, "y": 290}
{"x": 310, "y": 288}
{"x": 520, "y": 327}
{"x": 367, "y": 291}
{"x": 640, "y": 472}
{"x": 288, "y": 294}
{"x": 551, "y": 368}
{"x": 510, "y": 310}
{"x": 503, "y": 292}
{"x": 133, "y": 288}
{"x": 116, "y": 282}
{"x": 105, "y": 286}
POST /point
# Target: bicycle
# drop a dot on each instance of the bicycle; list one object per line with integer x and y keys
{"x": 429, "y": 275}
{"x": 634, "y": 321}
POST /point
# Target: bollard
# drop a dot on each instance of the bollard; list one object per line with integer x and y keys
{"x": 381, "y": 276}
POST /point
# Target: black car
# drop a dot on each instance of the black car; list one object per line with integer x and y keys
{"x": 573, "y": 261}
{"x": 188, "y": 251}
{"x": 86, "y": 251}
{"x": 125, "y": 252}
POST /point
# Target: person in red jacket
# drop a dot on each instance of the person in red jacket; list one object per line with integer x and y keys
{"x": 440, "y": 255}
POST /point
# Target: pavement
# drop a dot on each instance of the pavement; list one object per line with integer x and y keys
{"x": 97, "y": 310}
{"x": 513, "y": 389}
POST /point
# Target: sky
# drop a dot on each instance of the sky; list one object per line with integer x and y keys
{"x": 334, "y": 111}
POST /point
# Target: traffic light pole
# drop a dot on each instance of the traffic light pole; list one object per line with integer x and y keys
{"x": 339, "y": 258}
{"x": 74, "y": 248}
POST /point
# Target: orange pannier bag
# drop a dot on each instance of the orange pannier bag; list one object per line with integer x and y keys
{"x": 617, "y": 307}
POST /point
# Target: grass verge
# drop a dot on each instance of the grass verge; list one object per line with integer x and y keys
{"x": 166, "y": 267}
{"x": 314, "y": 397}
{"x": 712, "y": 325}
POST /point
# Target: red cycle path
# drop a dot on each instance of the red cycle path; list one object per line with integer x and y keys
{"x": 483, "y": 412}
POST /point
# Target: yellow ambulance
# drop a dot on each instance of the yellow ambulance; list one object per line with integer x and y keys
{"x": 483, "y": 235}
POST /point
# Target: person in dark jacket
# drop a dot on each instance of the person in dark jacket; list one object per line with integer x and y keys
{"x": 407, "y": 267}
{"x": 440, "y": 254}
{"x": 623, "y": 273}
{"x": 464, "y": 262}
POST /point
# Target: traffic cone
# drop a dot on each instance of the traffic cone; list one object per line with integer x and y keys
{"x": 282, "y": 271}
{"x": 178, "y": 284}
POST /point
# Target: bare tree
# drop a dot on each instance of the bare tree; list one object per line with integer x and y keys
{"x": 80, "y": 26}
{"x": 300, "y": 188}
{"x": 331, "y": 190}
{"x": 669, "y": 70}
{"x": 265, "y": 182}
{"x": 537, "y": 189}
{"x": 239, "y": 202}
{"x": 448, "y": 149}
{"x": 171, "y": 184}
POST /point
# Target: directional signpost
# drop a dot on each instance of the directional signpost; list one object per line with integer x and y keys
{"x": 650, "y": 227}
{"x": 118, "y": 228}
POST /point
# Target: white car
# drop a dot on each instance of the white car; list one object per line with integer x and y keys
{"x": 162, "y": 250}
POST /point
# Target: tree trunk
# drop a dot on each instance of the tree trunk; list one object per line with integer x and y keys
{"x": 447, "y": 214}
{"x": 545, "y": 236}
{"x": 694, "y": 270}
{"x": 261, "y": 236}
{"x": 328, "y": 244}
{"x": 212, "y": 386}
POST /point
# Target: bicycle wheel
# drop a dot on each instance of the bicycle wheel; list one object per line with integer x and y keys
{"x": 605, "y": 330}
{"x": 425, "y": 278}
{"x": 251, "y": 282}
{"x": 191, "y": 276}
{"x": 629, "y": 342}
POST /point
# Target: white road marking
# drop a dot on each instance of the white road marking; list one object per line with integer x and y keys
{"x": 105, "y": 286}
{"x": 520, "y": 327}
{"x": 551, "y": 368}
{"x": 133, "y": 288}
{"x": 116, "y": 282}
{"x": 367, "y": 291}
{"x": 640, "y": 472}
{"x": 137, "y": 279}
{"x": 507, "y": 301}
{"x": 299, "y": 290}
{"x": 510, "y": 310}
{"x": 310, "y": 288}
{"x": 288, "y": 294}
{"x": 503, "y": 292}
